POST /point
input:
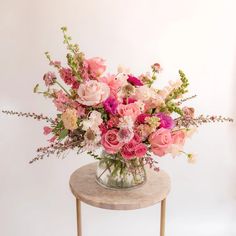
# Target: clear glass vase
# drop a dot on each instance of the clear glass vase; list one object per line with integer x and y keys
{"x": 116, "y": 173}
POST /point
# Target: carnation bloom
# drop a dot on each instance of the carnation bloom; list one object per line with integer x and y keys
{"x": 134, "y": 81}
{"x": 165, "y": 121}
{"x": 110, "y": 105}
{"x": 110, "y": 141}
{"x": 69, "y": 118}
{"x": 160, "y": 141}
{"x": 92, "y": 93}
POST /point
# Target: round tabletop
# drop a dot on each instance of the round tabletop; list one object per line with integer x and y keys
{"x": 85, "y": 188}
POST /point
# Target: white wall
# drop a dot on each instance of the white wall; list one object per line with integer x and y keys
{"x": 197, "y": 36}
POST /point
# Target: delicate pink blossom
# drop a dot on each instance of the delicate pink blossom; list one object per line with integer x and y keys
{"x": 68, "y": 77}
{"x": 49, "y": 78}
{"x": 47, "y": 130}
{"x": 96, "y": 66}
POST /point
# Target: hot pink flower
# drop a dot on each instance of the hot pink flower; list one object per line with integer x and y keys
{"x": 96, "y": 66}
{"x": 92, "y": 93}
{"x": 131, "y": 109}
{"x": 134, "y": 81}
{"x": 110, "y": 141}
{"x": 128, "y": 150}
{"x": 160, "y": 141}
{"x": 141, "y": 118}
{"x": 47, "y": 130}
{"x": 129, "y": 100}
{"x": 140, "y": 150}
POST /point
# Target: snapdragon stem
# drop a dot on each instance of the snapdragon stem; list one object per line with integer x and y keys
{"x": 62, "y": 88}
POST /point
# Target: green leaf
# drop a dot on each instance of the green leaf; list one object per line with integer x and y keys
{"x": 63, "y": 134}
{"x": 36, "y": 88}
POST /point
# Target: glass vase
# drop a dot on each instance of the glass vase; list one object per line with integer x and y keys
{"x": 116, "y": 173}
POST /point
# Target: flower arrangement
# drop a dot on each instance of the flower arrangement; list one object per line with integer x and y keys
{"x": 122, "y": 113}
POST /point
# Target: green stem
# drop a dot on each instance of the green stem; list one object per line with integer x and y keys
{"x": 62, "y": 88}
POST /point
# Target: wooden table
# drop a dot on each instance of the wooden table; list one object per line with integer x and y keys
{"x": 85, "y": 189}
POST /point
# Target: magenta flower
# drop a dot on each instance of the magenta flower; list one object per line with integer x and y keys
{"x": 134, "y": 81}
{"x": 165, "y": 121}
{"x": 110, "y": 105}
{"x": 68, "y": 77}
{"x": 141, "y": 118}
{"x": 128, "y": 100}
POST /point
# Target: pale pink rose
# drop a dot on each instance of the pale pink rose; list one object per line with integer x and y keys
{"x": 160, "y": 141}
{"x": 131, "y": 110}
{"x": 111, "y": 142}
{"x": 178, "y": 137}
{"x": 140, "y": 150}
{"x": 47, "y": 130}
{"x": 113, "y": 82}
{"x": 96, "y": 66}
{"x": 92, "y": 93}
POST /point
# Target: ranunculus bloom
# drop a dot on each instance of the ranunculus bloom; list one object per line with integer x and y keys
{"x": 140, "y": 150}
{"x": 111, "y": 142}
{"x": 131, "y": 110}
{"x": 92, "y": 93}
{"x": 160, "y": 141}
{"x": 69, "y": 118}
{"x": 165, "y": 121}
{"x": 134, "y": 81}
{"x": 178, "y": 137}
{"x": 96, "y": 66}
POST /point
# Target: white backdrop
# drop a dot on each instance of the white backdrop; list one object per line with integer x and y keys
{"x": 197, "y": 36}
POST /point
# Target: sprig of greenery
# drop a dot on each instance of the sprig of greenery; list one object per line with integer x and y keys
{"x": 176, "y": 93}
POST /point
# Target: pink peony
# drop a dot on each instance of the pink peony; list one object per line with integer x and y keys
{"x": 140, "y": 150}
{"x": 131, "y": 110}
{"x": 92, "y": 93}
{"x": 110, "y": 141}
{"x": 96, "y": 66}
{"x": 178, "y": 137}
{"x": 160, "y": 141}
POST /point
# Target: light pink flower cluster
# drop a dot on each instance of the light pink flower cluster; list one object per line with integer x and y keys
{"x": 122, "y": 113}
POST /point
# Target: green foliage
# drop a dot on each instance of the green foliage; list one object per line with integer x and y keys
{"x": 176, "y": 93}
{"x": 63, "y": 134}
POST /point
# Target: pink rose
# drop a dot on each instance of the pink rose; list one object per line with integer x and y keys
{"x": 160, "y": 141}
{"x": 178, "y": 137}
{"x": 96, "y": 66}
{"x": 131, "y": 109}
{"x": 92, "y": 93}
{"x": 140, "y": 150}
{"x": 111, "y": 142}
{"x": 128, "y": 150}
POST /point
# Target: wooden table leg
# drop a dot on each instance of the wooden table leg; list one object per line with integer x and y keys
{"x": 78, "y": 212}
{"x": 163, "y": 216}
